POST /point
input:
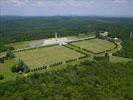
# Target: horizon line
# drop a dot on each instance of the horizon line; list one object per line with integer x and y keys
{"x": 65, "y": 16}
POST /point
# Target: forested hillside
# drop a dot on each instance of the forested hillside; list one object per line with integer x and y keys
{"x": 99, "y": 80}
{"x": 14, "y": 29}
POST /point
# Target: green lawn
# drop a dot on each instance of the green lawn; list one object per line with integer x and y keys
{"x": 20, "y": 45}
{"x": 47, "y": 55}
{"x": 95, "y": 45}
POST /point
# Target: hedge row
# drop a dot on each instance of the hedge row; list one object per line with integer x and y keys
{"x": 39, "y": 68}
{"x": 71, "y": 60}
{"x": 83, "y": 57}
{"x": 88, "y": 51}
{"x": 55, "y": 64}
{"x": 81, "y": 52}
{"x": 76, "y": 50}
{"x": 45, "y": 67}
{"x": 74, "y": 46}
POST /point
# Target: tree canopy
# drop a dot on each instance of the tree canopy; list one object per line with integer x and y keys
{"x": 99, "y": 80}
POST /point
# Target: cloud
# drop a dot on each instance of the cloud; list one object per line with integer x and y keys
{"x": 76, "y": 3}
{"x": 121, "y": 1}
{"x": 66, "y": 7}
{"x": 14, "y": 2}
{"x": 43, "y": 3}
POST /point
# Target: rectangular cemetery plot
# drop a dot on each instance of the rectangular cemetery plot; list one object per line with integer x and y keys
{"x": 45, "y": 56}
{"x": 95, "y": 45}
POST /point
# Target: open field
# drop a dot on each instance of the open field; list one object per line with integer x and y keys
{"x": 46, "y": 56}
{"x": 95, "y": 45}
{"x": 20, "y": 45}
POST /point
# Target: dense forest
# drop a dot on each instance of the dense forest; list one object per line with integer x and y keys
{"x": 96, "y": 80}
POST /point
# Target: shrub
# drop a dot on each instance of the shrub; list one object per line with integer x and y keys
{"x": 1, "y": 60}
{"x": 6, "y": 58}
{"x": 106, "y": 55}
{"x": 35, "y": 75}
{"x": 44, "y": 67}
{"x": 14, "y": 68}
{"x": 25, "y": 68}
{"x": 10, "y": 54}
{"x": 1, "y": 77}
{"x": 20, "y": 66}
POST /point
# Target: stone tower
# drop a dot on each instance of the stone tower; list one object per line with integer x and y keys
{"x": 131, "y": 34}
{"x": 56, "y": 37}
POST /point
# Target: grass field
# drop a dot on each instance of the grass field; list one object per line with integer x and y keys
{"x": 20, "y": 45}
{"x": 46, "y": 56}
{"x": 95, "y": 45}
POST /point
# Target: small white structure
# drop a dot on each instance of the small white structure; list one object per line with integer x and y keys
{"x": 62, "y": 43}
{"x": 3, "y": 54}
{"x": 116, "y": 39}
{"x": 102, "y": 35}
{"x": 56, "y": 36}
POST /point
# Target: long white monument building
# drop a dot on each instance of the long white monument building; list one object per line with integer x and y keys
{"x": 51, "y": 41}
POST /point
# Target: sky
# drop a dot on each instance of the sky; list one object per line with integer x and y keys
{"x": 67, "y": 7}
